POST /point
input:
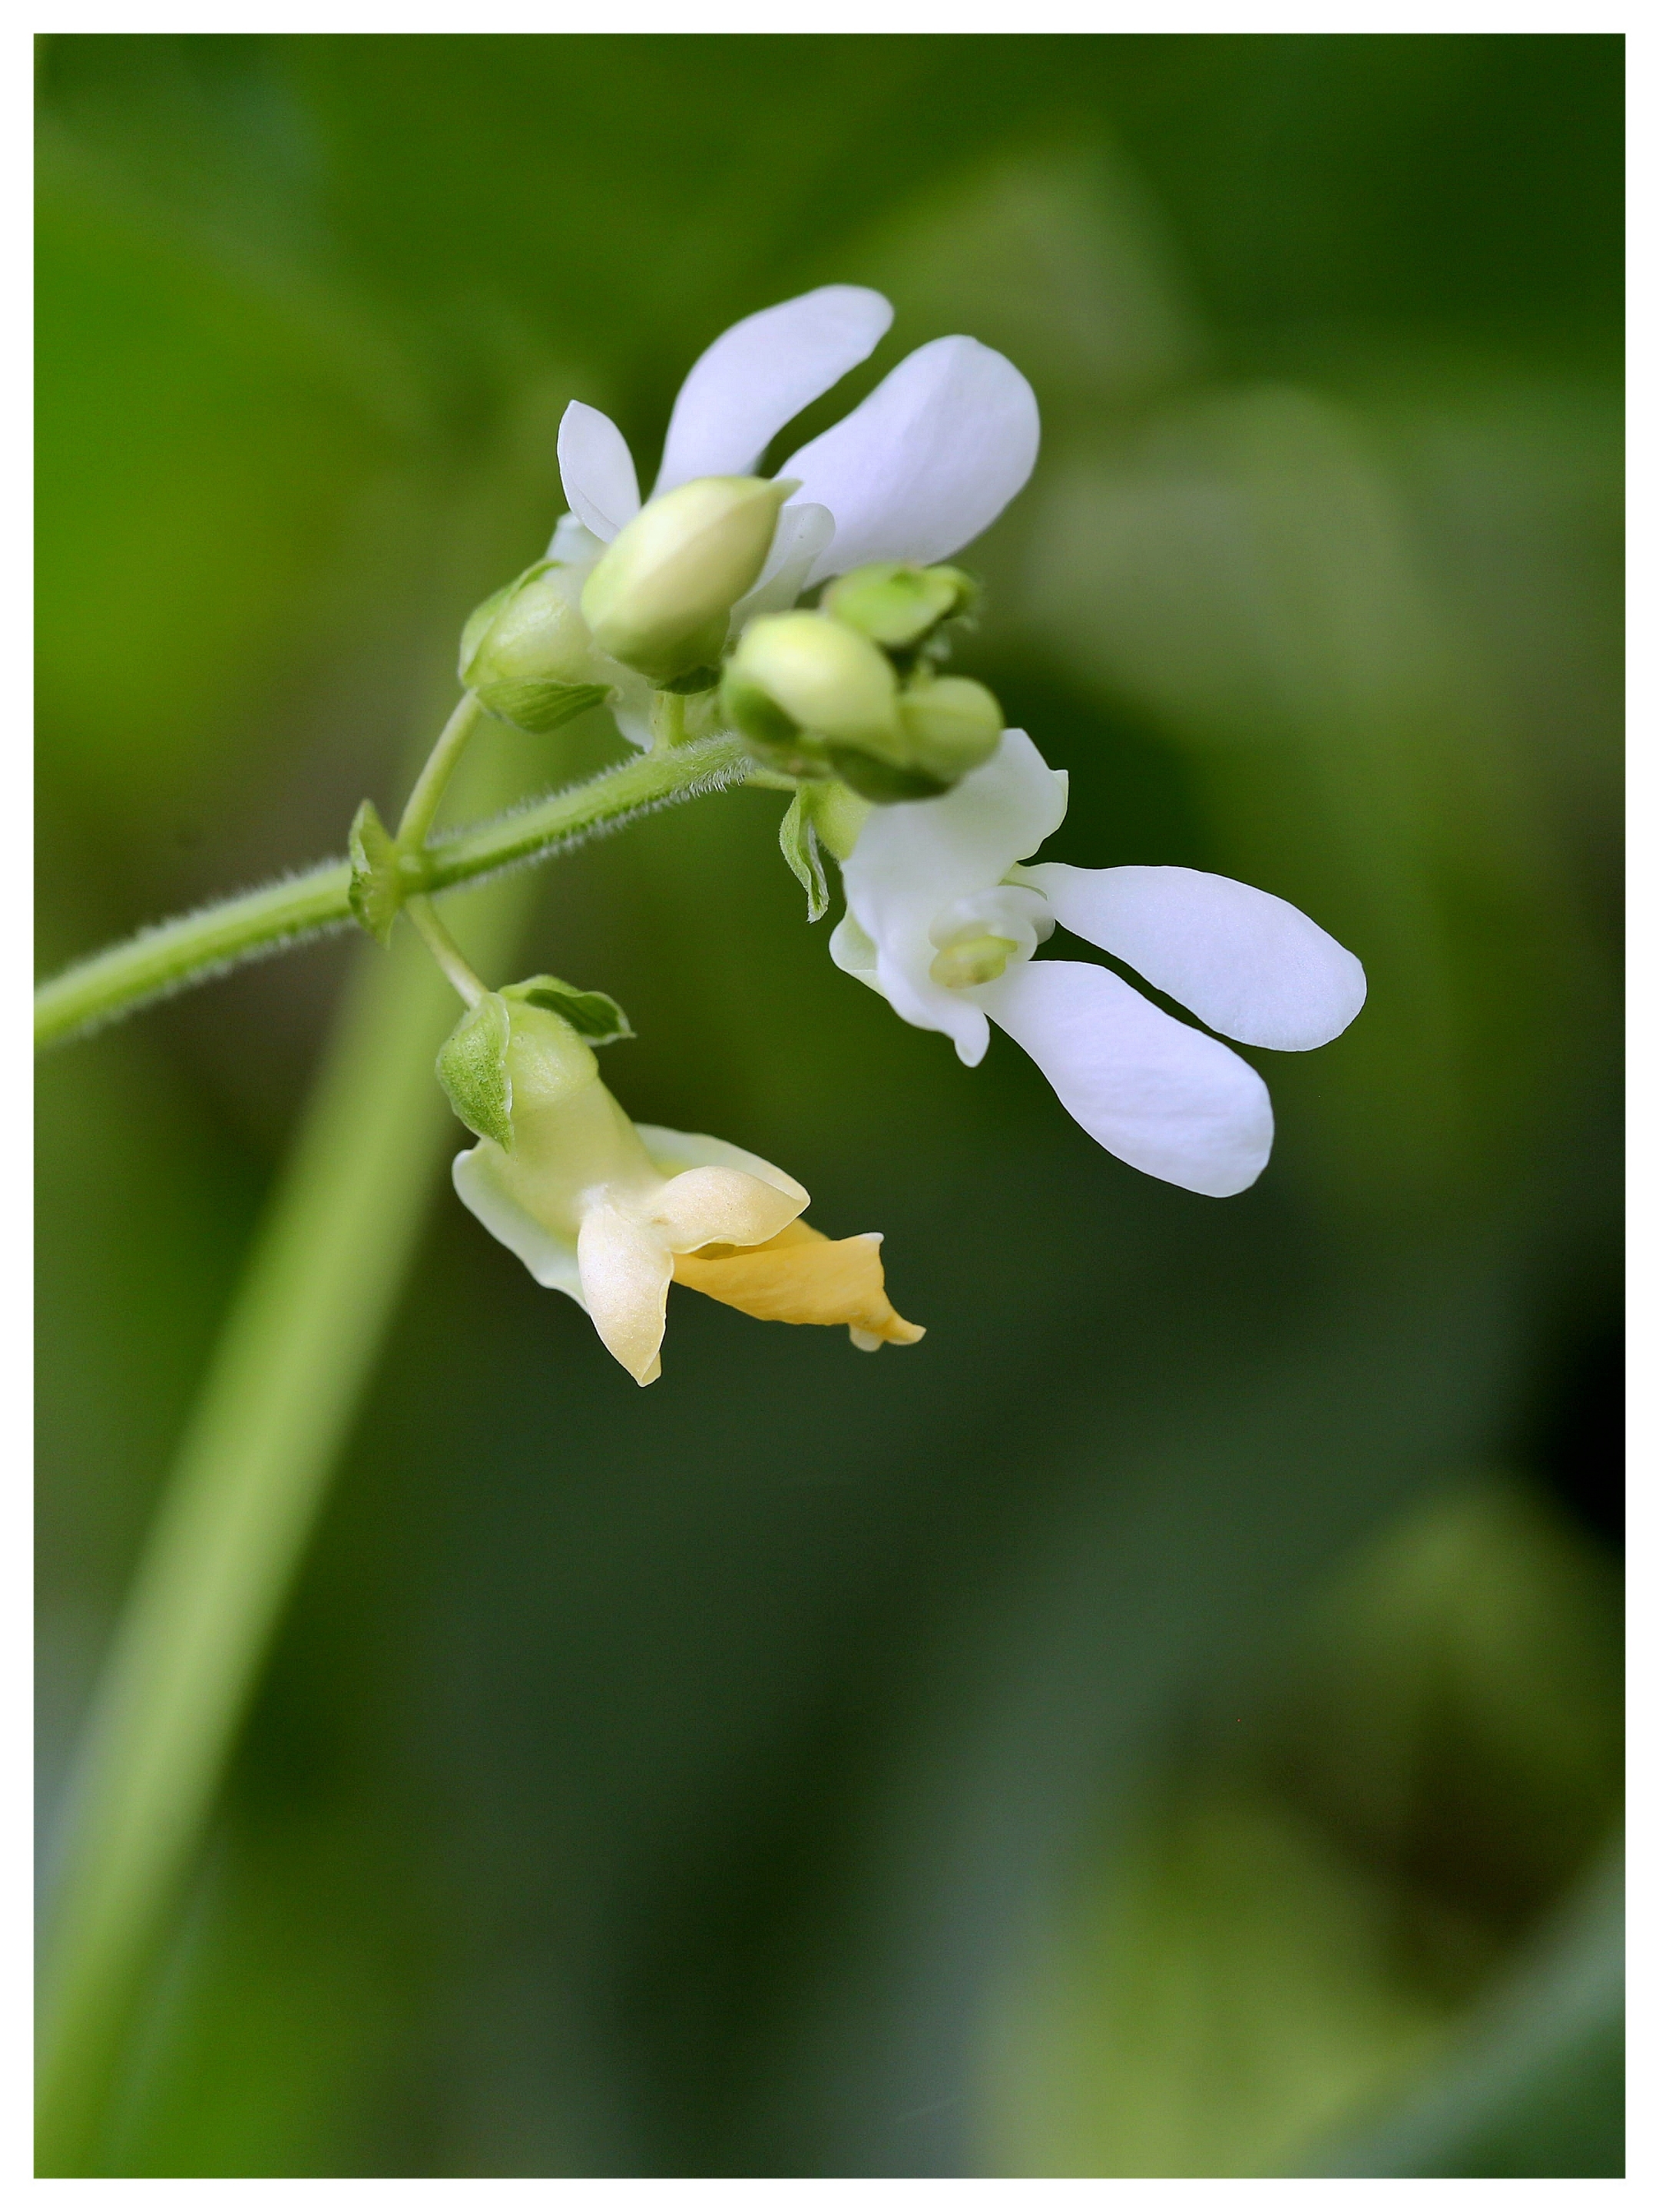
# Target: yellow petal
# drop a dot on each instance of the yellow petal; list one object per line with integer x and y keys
{"x": 625, "y": 1278}
{"x": 801, "y": 1276}
{"x": 721, "y": 1206}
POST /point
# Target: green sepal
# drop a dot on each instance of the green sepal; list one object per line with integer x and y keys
{"x": 594, "y": 1015}
{"x": 481, "y": 621}
{"x": 884, "y": 782}
{"x": 473, "y": 1070}
{"x": 540, "y": 706}
{"x": 798, "y": 840}
{"x": 694, "y": 680}
{"x": 377, "y": 885}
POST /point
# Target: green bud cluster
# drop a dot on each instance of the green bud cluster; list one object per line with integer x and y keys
{"x": 852, "y": 691}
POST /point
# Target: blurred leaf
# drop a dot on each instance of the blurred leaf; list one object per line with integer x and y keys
{"x": 1537, "y": 2085}
{"x": 176, "y": 564}
{"x": 1230, "y": 1997}
{"x": 1298, "y": 1926}
{"x": 281, "y": 2030}
{"x": 1058, "y": 256}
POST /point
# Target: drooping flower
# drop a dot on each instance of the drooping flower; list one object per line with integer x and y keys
{"x": 611, "y": 1213}
{"x": 922, "y": 466}
{"x": 942, "y": 921}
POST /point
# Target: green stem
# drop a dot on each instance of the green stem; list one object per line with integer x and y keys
{"x": 667, "y": 719}
{"x": 424, "y": 800}
{"x": 284, "y": 1383}
{"x": 191, "y": 949}
{"x": 549, "y": 825}
{"x": 195, "y": 946}
{"x": 452, "y": 961}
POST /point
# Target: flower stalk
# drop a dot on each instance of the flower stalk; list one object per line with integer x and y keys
{"x": 255, "y": 924}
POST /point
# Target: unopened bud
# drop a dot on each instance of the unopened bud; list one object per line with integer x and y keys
{"x": 526, "y": 652}
{"x": 799, "y": 673}
{"x": 896, "y": 605}
{"x": 953, "y": 724}
{"x": 660, "y": 598}
{"x": 547, "y": 1061}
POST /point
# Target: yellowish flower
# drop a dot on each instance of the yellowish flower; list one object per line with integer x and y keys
{"x": 611, "y": 1213}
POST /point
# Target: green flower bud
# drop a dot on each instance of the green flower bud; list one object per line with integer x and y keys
{"x": 509, "y": 1056}
{"x": 547, "y": 1062}
{"x": 768, "y": 732}
{"x": 526, "y": 652}
{"x": 952, "y": 724}
{"x": 660, "y": 598}
{"x": 802, "y": 673}
{"x": 896, "y": 605}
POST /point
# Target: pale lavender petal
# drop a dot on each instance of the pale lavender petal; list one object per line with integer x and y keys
{"x": 929, "y": 460}
{"x": 802, "y": 534}
{"x": 760, "y": 374}
{"x": 597, "y": 470}
{"x": 1167, "y": 1099}
{"x": 1249, "y": 964}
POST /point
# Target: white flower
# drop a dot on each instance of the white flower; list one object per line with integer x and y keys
{"x": 611, "y": 1213}
{"x": 943, "y": 923}
{"x": 925, "y": 463}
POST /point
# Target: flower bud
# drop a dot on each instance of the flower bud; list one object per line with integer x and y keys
{"x": 547, "y": 1061}
{"x": 526, "y": 652}
{"x": 952, "y": 724}
{"x": 798, "y": 672}
{"x": 896, "y": 605}
{"x": 505, "y": 1059}
{"x": 660, "y": 598}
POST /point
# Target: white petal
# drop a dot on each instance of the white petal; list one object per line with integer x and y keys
{"x": 1166, "y": 1098}
{"x": 802, "y": 534}
{"x": 573, "y": 543}
{"x": 673, "y": 1150}
{"x": 854, "y": 952}
{"x": 760, "y": 374}
{"x": 597, "y": 470}
{"x": 915, "y": 861}
{"x": 1021, "y": 917}
{"x": 1249, "y": 964}
{"x": 629, "y": 703}
{"x": 928, "y": 460}
{"x": 480, "y": 1190}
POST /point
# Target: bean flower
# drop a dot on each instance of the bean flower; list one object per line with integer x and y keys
{"x": 920, "y": 467}
{"x": 943, "y": 920}
{"x": 610, "y": 1212}
{"x": 692, "y": 596}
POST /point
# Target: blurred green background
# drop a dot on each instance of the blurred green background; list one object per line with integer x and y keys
{"x": 1168, "y": 1723}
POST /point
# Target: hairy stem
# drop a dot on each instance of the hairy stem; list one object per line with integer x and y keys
{"x": 186, "y": 951}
